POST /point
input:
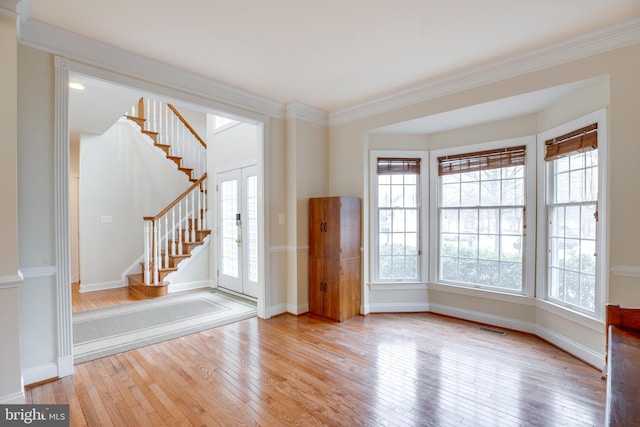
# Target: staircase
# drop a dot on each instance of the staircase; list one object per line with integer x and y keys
{"x": 171, "y": 236}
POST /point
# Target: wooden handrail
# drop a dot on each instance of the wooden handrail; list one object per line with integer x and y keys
{"x": 177, "y": 200}
{"x": 184, "y": 122}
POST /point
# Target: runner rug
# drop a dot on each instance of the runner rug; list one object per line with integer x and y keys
{"x": 107, "y": 331}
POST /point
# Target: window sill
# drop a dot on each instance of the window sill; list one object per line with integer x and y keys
{"x": 483, "y": 293}
{"x": 398, "y": 286}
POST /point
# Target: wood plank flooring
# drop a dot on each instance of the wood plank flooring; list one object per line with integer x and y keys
{"x": 99, "y": 299}
{"x": 416, "y": 369}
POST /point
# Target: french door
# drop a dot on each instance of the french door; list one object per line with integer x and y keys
{"x": 238, "y": 230}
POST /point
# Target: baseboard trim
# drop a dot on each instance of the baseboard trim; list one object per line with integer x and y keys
{"x": 92, "y": 287}
{"x": 278, "y": 309}
{"x": 65, "y": 366}
{"x": 387, "y": 307}
{"x": 187, "y": 286}
{"x": 489, "y": 319}
{"x": 40, "y": 373}
{"x": 13, "y": 399}
{"x": 583, "y": 353}
{"x": 296, "y": 309}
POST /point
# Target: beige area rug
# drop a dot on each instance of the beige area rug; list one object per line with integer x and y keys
{"x": 107, "y": 331}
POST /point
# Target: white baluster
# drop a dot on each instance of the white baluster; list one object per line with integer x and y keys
{"x": 173, "y": 231}
{"x": 147, "y": 254}
{"x": 180, "y": 226}
{"x": 187, "y": 233}
{"x": 199, "y": 197}
{"x": 166, "y": 241}
{"x": 194, "y": 216}
{"x": 160, "y": 106}
{"x": 204, "y": 204}
{"x": 156, "y": 255}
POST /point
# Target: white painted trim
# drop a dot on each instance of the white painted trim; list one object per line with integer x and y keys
{"x": 61, "y": 212}
{"x": 398, "y": 286}
{"x": 591, "y": 43}
{"x": 626, "y": 270}
{"x": 39, "y": 271}
{"x": 101, "y": 286}
{"x": 297, "y": 310}
{"x": 39, "y": 373}
{"x": 572, "y": 316}
{"x": 298, "y": 110}
{"x": 574, "y": 348}
{"x": 278, "y": 309}
{"x": 480, "y": 317}
{"x": 281, "y": 249}
{"x": 13, "y": 399}
{"x": 85, "y": 50}
{"x": 11, "y": 281}
{"x": 187, "y": 286}
{"x": 9, "y": 8}
{"x": 65, "y": 366}
{"x": 391, "y": 307}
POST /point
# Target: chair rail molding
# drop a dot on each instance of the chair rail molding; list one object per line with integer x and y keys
{"x": 626, "y": 270}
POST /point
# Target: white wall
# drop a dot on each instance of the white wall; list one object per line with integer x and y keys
{"x": 38, "y": 337}
{"x": 348, "y": 144}
{"x": 123, "y": 178}
{"x": 307, "y": 163}
{"x": 231, "y": 148}
{"x": 11, "y": 384}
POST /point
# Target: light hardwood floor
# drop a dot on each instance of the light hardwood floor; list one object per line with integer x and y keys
{"x": 99, "y": 299}
{"x": 383, "y": 369}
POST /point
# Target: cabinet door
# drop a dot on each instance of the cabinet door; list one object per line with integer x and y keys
{"x": 316, "y": 227}
{"x": 316, "y": 295}
{"x": 331, "y": 276}
{"x": 331, "y": 229}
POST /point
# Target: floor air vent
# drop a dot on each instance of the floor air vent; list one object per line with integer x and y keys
{"x": 493, "y": 331}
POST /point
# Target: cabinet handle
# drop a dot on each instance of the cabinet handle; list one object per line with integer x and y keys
{"x": 325, "y": 227}
{"x": 321, "y": 226}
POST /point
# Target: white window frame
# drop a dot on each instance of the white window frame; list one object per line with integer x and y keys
{"x": 602, "y": 243}
{"x": 423, "y": 207}
{"x": 529, "y": 256}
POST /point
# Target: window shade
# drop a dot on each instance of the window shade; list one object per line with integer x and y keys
{"x": 482, "y": 160}
{"x": 397, "y": 166}
{"x": 578, "y": 141}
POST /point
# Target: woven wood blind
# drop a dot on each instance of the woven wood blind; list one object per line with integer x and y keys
{"x": 397, "y": 166}
{"x": 482, "y": 160}
{"x": 578, "y": 141}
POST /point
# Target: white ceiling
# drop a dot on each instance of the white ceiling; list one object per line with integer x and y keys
{"x": 500, "y": 109}
{"x": 330, "y": 54}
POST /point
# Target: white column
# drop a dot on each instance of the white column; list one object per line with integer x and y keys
{"x": 61, "y": 196}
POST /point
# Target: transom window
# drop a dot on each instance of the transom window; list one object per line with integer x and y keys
{"x": 481, "y": 214}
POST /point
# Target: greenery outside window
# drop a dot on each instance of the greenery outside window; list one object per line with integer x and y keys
{"x": 482, "y": 218}
{"x": 398, "y": 185}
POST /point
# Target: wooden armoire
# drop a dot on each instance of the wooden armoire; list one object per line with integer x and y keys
{"x": 334, "y": 257}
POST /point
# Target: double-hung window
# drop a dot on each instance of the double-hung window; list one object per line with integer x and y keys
{"x": 397, "y": 192}
{"x": 572, "y": 216}
{"x": 482, "y": 218}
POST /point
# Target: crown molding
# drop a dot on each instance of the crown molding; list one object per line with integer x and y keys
{"x": 91, "y": 52}
{"x": 298, "y": 110}
{"x": 9, "y": 8}
{"x": 608, "y": 38}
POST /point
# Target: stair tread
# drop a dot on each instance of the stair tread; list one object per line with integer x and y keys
{"x": 150, "y": 132}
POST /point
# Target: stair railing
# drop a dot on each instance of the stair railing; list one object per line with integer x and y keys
{"x": 166, "y": 233}
{"x": 175, "y": 131}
